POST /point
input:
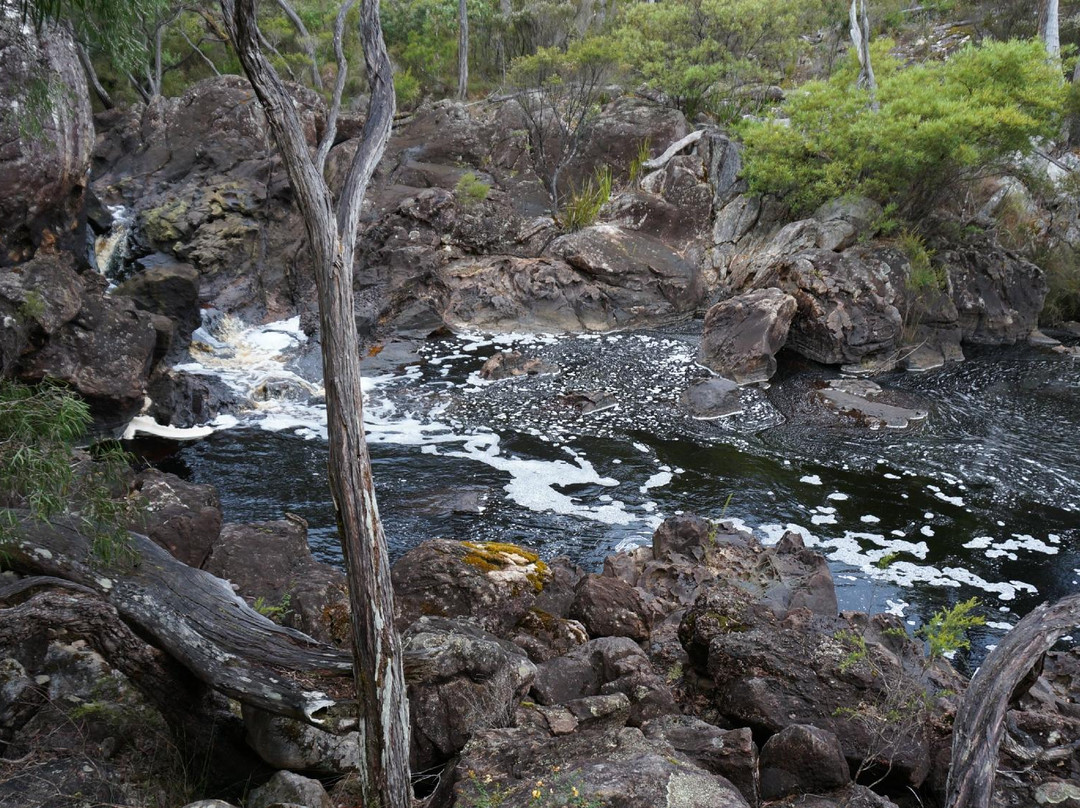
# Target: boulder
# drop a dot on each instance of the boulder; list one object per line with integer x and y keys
{"x": 188, "y": 399}
{"x": 104, "y": 353}
{"x": 182, "y": 517}
{"x": 48, "y": 134}
{"x": 285, "y": 743}
{"x": 592, "y": 762}
{"x": 460, "y": 679}
{"x": 610, "y": 607}
{"x": 732, "y": 754}
{"x": 743, "y": 334}
{"x": 167, "y": 287}
{"x": 769, "y": 673}
{"x": 598, "y": 279}
{"x": 998, "y": 295}
{"x": 492, "y": 583}
{"x": 847, "y": 311}
{"x": 37, "y": 299}
{"x": 289, "y": 788}
{"x": 543, "y": 635}
{"x": 854, "y": 796}
{"x": 212, "y": 193}
{"x": 620, "y": 130}
{"x": 802, "y": 759}
{"x": 605, "y": 667}
{"x": 270, "y": 563}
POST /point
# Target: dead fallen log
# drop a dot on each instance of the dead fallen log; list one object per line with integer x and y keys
{"x": 672, "y": 150}
{"x": 210, "y": 736}
{"x": 980, "y": 719}
{"x": 198, "y": 620}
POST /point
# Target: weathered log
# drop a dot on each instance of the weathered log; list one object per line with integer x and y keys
{"x": 203, "y": 726}
{"x": 198, "y": 620}
{"x": 672, "y": 150}
{"x": 980, "y": 719}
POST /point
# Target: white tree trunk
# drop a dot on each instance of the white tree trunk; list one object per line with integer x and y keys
{"x": 1049, "y": 30}
{"x": 860, "y": 38}
{"x": 463, "y": 51}
{"x": 331, "y": 231}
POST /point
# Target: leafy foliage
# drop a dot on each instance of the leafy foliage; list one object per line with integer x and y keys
{"x": 946, "y": 632}
{"x": 559, "y": 97}
{"x": 38, "y": 472}
{"x": 701, "y": 53}
{"x": 939, "y": 123}
{"x": 470, "y": 189}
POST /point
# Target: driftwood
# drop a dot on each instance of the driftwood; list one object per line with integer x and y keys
{"x": 980, "y": 719}
{"x": 196, "y": 619}
{"x": 672, "y": 150}
{"x": 201, "y": 721}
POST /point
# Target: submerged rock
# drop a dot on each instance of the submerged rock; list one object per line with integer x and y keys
{"x": 853, "y": 398}
{"x": 712, "y": 398}
{"x": 507, "y": 365}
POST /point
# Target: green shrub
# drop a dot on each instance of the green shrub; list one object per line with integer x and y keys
{"x": 923, "y": 275}
{"x": 939, "y": 124}
{"x": 946, "y": 632}
{"x": 699, "y": 53}
{"x": 39, "y": 474}
{"x": 1062, "y": 270}
{"x": 583, "y": 207}
{"x": 470, "y": 189}
{"x": 640, "y": 158}
{"x": 407, "y": 89}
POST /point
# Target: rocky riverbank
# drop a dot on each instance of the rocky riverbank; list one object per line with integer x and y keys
{"x": 704, "y": 670}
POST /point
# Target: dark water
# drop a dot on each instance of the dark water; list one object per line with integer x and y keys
{"x": 995, "y": 466}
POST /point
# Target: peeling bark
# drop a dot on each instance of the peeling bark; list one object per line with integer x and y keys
{"x": 980, "y": 719}
{"x": 331, "y": 231}
{"x": 197, "y": 619}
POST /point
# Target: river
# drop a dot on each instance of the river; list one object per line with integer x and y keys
{"x": 982, "y": 498}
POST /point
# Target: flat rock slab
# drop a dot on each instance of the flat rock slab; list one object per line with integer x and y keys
{"x": 709, "y": 399}
{"x": 853, "y": 398}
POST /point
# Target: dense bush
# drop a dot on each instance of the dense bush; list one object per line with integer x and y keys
{"x": 939, "y": 124}
{"x": 701, "y": 53}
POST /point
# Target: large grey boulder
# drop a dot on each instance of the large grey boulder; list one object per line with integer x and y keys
{"x": 271, "y": 563}
{"x": 105, "y": 352}
{"x": 743, "y": 334}
{"x": 802, "y": 759}
{"x": 184, "y": 518}
{"x": 597, "y": 279}
{"x": 47, "y": 134}
{"x": 289, "y": 788}
{"x": 732, "y": 754}
{"x": 494, "y": 584}
{"x": 460, "y": 680}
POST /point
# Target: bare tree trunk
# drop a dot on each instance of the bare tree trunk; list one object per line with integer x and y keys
{"x": 1049, "y": 30}
{"x": 92, "y": 77}
{"x": 331, "y": 231}
{"x": 463, "y": 51}
{"x": 305, "y": 40}
{"x": 980, "y": 719}
{"x": 505, "y": 12}
{"x": 860, "y": 38}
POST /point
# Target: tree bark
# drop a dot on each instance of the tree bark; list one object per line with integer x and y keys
{"x": 463, "y": 51}
{"x": 860, "y": 38}
{"x": 1049, "y": 30}
{"x": 201, "y": 722}
{"x": 197, "y": 619}
{"x": 980, "y": 719}
{"x": 331, "y": 232}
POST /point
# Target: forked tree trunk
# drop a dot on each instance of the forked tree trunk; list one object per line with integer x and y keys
{"x": 463, "y": 51}
{"x": 331, "y": 231}
{"x": 980, "y": 719}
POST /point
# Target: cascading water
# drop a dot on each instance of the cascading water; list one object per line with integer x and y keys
{"x": 981, "y": 498}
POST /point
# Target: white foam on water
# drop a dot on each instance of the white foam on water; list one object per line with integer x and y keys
{"x": 869, "y": 519}
{"x": 659, "y": 479}
{"x": 810, "y": 479}
{"x": 896, "y": 607}
{"x": 838, "y": 496}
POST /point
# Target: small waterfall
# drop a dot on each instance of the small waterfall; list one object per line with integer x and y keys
{"x": 111, "y": 250}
